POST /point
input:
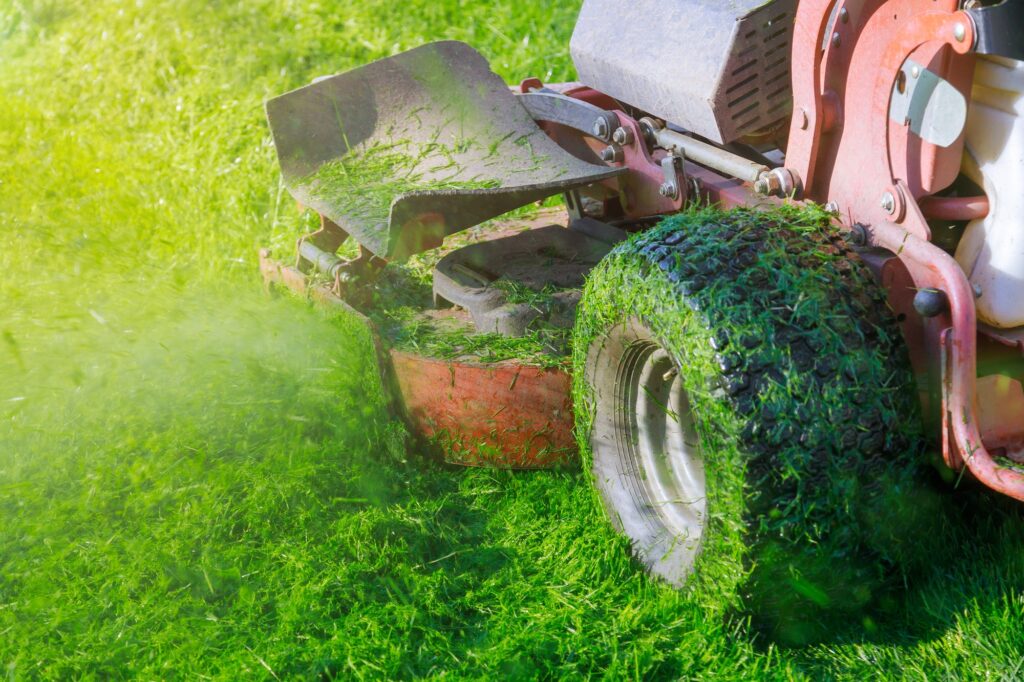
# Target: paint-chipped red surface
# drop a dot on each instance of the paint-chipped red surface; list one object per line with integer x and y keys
{"x": 505, "y": 414}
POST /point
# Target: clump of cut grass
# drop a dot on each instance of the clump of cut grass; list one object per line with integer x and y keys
{"x": 407, "y": 330}
{"x": 518, "y": 293}
{"x": 367, "y": 179}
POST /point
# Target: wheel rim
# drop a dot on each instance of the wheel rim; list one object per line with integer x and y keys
{"x": 647, "y": 456}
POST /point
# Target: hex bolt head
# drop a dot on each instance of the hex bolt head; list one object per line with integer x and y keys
{"x": 915, "y": 71}
{"x": 600, "y": 128}
{"x": 770, "y": 184}
{"x": 959, "y": 32}
{"x": 611, "y": 154}
{"x": 844, "y": 15}
{"x": 668, "y": 190}
{"x": 930, "y": 302}
{"x": 888, "y": 203}
{"x": 836, "y": 40}
{"x": 622, "y": 136}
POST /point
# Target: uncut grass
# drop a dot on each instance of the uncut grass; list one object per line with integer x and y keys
{"x": 198, "y": 481}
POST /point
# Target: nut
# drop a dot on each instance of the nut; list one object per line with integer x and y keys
{"x": 622, "y": 136}
{"x": 612, "y": 154}
{"x": 858, "y": 235}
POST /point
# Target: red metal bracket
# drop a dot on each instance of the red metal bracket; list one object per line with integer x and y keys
{"x": 842, "y": 142}
{"x": 932, "y": 267}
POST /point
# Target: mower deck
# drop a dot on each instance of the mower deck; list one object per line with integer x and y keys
{"x": 510, "y": 284}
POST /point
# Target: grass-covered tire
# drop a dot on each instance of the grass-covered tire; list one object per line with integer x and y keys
{"x": 757, "y": 353}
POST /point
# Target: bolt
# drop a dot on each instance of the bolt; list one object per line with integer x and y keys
{"x": 612, "y": 154}
{"x": 668, "y": 190}
{"x": 930, "y": 302}
{"x": 844, "y": 16}
{"x": 858, "y": 235}
{"x": 770, "y": 184}
{"x": 600, "y": 128}
{"x": 888, "y": 203}
{"x": 695, "y": 187}
{"x": 915, "y": 71}
{"x": 804, "y": 121}
{"x": 977, "y": 290}
{"x": 836, "y": 40}
{"x": 669, "y": 375}
{"x": 622, "y": 136}
{"x": 959, "y": 32}
{"x": 832, "y": 207}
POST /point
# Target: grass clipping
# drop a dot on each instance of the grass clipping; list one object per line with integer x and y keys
{"x": 366, "y": 180}
{"x": 404, "y": 292}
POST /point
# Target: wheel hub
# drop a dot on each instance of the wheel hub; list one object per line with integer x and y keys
{"x": 647, "y": 457}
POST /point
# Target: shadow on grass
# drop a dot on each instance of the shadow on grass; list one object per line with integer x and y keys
{"x": 958, "y": 559}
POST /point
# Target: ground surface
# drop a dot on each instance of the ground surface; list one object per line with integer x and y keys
{"x": 196, "y": 481}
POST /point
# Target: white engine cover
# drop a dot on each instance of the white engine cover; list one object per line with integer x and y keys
{"x": 992, "y": 249}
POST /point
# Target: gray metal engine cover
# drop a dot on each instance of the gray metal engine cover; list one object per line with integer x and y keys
{"x": 719, "y": 68}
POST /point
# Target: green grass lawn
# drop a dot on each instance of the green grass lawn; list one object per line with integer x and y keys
{"x": 199, "y": 481}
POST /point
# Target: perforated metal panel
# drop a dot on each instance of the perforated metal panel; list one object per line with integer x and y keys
{"x": 720, "y": 68}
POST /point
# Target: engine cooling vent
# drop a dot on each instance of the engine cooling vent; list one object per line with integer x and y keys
{"x": 719, "y": 69}
{"x": 755, "y": 91}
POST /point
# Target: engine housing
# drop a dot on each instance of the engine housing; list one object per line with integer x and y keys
{"x": 718, "y": 69}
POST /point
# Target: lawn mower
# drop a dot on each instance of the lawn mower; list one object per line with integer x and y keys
{"x": 792, "y": 249}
